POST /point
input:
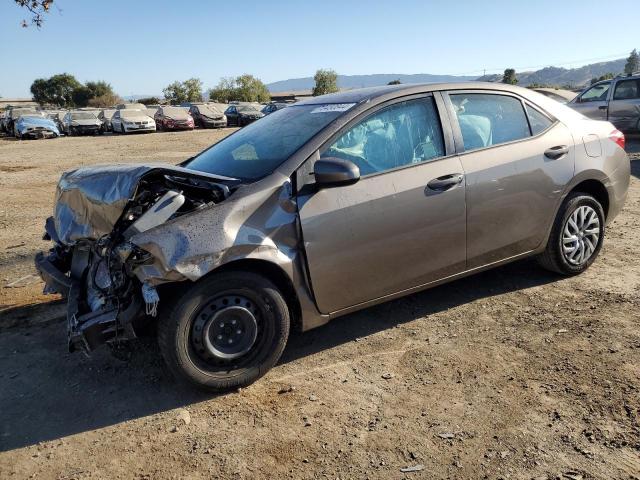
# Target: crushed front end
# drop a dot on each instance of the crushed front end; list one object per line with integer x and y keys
{"x": 94, "y": 263}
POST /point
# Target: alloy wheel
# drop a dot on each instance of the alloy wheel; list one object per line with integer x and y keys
{"x": 580, "y": 235}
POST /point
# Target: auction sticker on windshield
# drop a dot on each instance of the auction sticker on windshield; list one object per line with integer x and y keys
{"x": 333, "y": 107}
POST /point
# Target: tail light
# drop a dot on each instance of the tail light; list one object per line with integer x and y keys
{"x": 618, "y": 137}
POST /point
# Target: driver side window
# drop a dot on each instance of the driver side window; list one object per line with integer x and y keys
{"x": 597, "y": 93}
{"x": 402, "y": 134}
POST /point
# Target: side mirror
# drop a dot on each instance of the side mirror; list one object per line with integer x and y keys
{"x": 334, "y": 172}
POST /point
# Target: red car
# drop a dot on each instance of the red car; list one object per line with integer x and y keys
{"x": 173, "y": 118}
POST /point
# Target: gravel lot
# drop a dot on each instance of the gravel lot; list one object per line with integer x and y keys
{"x": 513, "y": 373}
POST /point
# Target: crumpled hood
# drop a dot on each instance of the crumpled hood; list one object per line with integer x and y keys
{"x": 90, "y": 200}
{"x": 31, "y": 122}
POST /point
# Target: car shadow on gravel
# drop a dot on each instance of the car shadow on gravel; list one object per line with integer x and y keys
{"x": 47, "y": 393}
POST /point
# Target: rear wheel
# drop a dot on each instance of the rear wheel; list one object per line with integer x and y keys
{"x": 226, "y": 332}
{"x": 576, "y": 237}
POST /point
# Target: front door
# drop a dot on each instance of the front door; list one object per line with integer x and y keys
{"x": 401, "y": 225}
{"x": 594, "y": 102}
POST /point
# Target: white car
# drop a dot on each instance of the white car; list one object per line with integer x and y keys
{"x": 129, "y": 120}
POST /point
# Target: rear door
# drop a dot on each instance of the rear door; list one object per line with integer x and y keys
{"x": 402, "y": 224}
{"x": 593, "y": 103}
{"x": 516, "y": 159}
{"x": 624, "y": 107}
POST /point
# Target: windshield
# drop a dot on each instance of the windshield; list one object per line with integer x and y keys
{"x": 171, "y": 111}
{"x": 210, "y": 110}
{"x": 261, "y": 147}
{"x": 82, "y": 116}
{"x": 16, "y": 112}
{"x": 248, "y": 108}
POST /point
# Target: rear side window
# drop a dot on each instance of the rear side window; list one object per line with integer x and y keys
{"x": 627, "y": 90}
{"x": 487, "y": 119}
{"x": 538, "y": 121}
{"x": 402, "y": 134}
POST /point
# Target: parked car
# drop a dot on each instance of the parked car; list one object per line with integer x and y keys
{"x": 323, "y": 208}
{"x": 79, "y": 122}
{"x": 616, "y": 100}
{"x": 35, "y": 127}
{"x": 14, "y": 113}
{"x": 132, "y": 106}
{"x": 241, "y": 114}
{"x": 129, "y": 120}
{"x": 208, "y": 115}
{"x": 173, "y": 118}
{"x": 105, "y": 118}
{"x": 273, "y": 106}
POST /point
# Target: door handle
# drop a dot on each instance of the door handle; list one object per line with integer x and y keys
{"x": 444, "y": 183}
{"x": 602, "y": 107}
{"x": 556, "y": 152}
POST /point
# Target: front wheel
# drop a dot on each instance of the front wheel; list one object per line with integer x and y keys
{"x": 576, "y": 237}
{"x": 227, "y": 331}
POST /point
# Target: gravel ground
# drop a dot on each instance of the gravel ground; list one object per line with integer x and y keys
{"x": 513, "y": 373}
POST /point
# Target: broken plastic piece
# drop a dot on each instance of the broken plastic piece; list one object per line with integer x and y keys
{"x": 151, "y": 299}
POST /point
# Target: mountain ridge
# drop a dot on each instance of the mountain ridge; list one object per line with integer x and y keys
{"x": 556, "y": 76}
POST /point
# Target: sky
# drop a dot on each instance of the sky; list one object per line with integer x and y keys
{"x": 141, "y": 46}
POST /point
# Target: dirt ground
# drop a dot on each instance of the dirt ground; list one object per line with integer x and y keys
{"x": 511, "y": 374}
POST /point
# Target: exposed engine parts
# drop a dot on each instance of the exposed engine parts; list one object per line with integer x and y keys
{"x": 93, "y": 261}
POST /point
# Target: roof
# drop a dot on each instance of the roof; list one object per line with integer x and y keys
{"x": 362, "y": 94}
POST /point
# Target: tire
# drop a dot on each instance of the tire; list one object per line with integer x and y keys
{"x": 554, "y": 258}
{"x": 202, "y": 308}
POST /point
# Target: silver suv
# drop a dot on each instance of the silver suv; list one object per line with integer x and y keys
{"x": 616, "y": 100}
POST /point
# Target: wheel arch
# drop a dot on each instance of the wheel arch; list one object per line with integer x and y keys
{"x": 597, "y": 190}
{"x": 275, "y": 274}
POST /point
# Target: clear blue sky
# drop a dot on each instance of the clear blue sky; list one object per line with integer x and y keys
{"x": 140, "y": 46}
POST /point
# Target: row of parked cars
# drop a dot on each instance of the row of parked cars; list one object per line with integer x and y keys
{"x": 30, "y": 122}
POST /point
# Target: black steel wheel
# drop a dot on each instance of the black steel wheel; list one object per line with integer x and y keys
{"x": 227, "y": 331}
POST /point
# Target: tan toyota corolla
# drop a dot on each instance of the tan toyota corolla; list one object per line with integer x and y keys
{"x": 323, "y": 208}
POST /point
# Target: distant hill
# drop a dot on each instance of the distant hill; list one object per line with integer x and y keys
{"x": 557, "y": 76}
{"x": 361, "y": 81}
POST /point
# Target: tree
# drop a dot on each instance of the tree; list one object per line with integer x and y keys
{"x": 107, "y": 100}
{"x": 187, "y": 91}
{"x": 394, "y": 82}
{"x": 509, "y": 76}
{"x": 245, "y": 88}
{"x": 326, "y": 82}
{"x": 633, "y": 63}
{"x": 149, "y": 101}
{"x": 57, "y": 90}
{"x": 606, "y": 76}
{"x": 37, "y": 9}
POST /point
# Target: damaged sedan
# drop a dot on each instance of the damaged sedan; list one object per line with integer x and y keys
{"x": 323, "y": 208}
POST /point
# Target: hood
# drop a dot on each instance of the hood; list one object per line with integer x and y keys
{"x": 251, "y": 113}
{"x": 37, "y": 122}
{"x": 178, "y": 116}
{"x": 134, "y": 116}
{"x": 85, "y": 121}
{"x": 91, "y": 200}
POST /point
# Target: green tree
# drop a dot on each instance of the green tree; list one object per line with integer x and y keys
{"x": 245, "y": 88}
{"x": 193, "y": 89}
{"x": 633, "y": 63}
{"x": 394, "y": 82}
{"x": 107, "y": 100}
{"x": 149, "y": 101}
{"x": 187, "y": 91}
{"x": 37, "y": 9}
{"x": 606, "y": 76}
{"x": 326, "y": 82}
{"x": 57, "y": 90}
{"x": 509, "y": 76}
